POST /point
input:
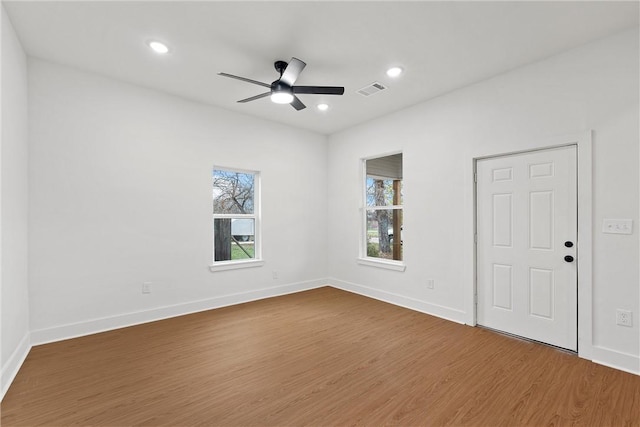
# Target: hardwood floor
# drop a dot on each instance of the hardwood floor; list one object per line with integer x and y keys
{"x": 321, "y": 357}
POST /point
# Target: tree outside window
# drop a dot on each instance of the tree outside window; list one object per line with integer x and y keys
{"x": 383, "y": 212}
{"x": 234, "y": 215}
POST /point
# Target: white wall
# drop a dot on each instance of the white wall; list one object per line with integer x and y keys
{"x": 591, "y": 87}
{"x": 120, "y": 193}
{"x": 14, "y": 206}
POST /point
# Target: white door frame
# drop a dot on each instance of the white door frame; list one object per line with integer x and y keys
{"x": 583, "y": 142}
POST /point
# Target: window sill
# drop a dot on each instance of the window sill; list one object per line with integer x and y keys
{"x": 235, "y": 265}
{"x": 387, "y": 265}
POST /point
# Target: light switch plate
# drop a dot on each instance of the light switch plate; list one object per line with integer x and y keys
{"x": 617, "y": 226}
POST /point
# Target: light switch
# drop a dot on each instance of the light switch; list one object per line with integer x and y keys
{"x": 617, "y": 226}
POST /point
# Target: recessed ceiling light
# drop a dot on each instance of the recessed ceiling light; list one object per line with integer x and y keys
{"x": 323, "y": 107}
{"x": 158, "y": 47}
{"x": 394, "y": 71}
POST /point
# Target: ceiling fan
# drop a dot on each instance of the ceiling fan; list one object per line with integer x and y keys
{"x": 282, "y": 91}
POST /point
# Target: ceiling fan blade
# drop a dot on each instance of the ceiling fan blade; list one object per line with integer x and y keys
{"x": 244, "y": 79}
{"x": 319, "y": 90}
{"x": 253, "y": 98}
{"x": 297, "y": 104}
{"x": 293, "y": 70}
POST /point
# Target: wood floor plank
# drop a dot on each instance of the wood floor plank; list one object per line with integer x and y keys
{"x": 322, "y": 357}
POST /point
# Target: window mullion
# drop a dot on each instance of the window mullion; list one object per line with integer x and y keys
{"x": 383, "y": 208}
{"x": 232, "y": 216}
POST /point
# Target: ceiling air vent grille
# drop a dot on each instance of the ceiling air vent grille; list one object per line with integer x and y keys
{"x": 369, "y": 90}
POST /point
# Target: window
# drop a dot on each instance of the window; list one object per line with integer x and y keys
{"x": 235, "y": 217}
{"x": 383, "y": 209}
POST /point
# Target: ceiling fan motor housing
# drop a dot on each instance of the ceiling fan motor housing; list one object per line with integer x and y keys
{"x": 278, "y": 86}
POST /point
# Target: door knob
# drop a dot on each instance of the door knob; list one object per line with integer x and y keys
{"x": 568, "y": 244}
{"x": 568, "y": 258}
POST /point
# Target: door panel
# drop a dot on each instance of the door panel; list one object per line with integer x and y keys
{"x": 502, "y": 220}
{"x": 541, "y": 220}
{"x": 541, "y": 292}
{"x": 526, "y": 210}
{"x": 502, "y": 286}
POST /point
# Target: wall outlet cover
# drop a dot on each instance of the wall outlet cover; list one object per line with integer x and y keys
{"x": 624, "y": 317}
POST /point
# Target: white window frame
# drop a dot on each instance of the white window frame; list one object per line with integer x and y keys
{"x": 363, "y": 258}
{"x": 257, "y": 260}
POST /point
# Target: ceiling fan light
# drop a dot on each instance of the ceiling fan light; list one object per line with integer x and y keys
{"x": 282, "y": 97}
{"x": 323, "y": 107}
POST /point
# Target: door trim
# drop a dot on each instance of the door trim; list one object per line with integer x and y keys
{"x": 583, "y": 142}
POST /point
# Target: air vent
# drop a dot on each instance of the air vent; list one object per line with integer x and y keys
{"x": 368, "y": 90}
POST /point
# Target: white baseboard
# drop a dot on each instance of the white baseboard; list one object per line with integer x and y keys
{"x": 615, "y": 359}
{"x": 446, "y": 313}
{"x": 93, "y": 326}
{"x": 11, "y": 367}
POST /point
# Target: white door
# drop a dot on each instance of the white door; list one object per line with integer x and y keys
{"x": 526, "y": 250}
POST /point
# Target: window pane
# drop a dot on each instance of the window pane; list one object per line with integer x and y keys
{"x": 232, "y": 192}
{"x": 380, "y": 192}
{"x": 384, "y": 234}
{"x": 386, "y": 167}
{"x": 234, "y": 238}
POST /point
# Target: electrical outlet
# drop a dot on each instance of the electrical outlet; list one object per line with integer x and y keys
{"x": 430, "y": 283}
{"x": 624, "y": 317}
{"x": 274, "y": 274}
{"x": 146, "y": 288}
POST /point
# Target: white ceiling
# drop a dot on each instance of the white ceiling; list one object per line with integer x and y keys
{"x": 442, "y": 46}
